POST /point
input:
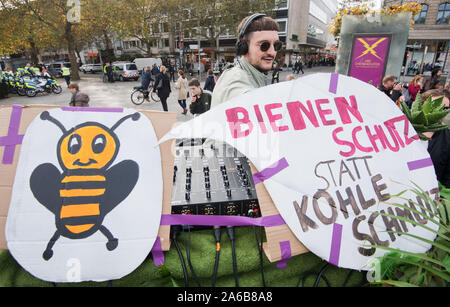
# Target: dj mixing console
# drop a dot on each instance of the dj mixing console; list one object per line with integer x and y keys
{"x": 212, "y": 180}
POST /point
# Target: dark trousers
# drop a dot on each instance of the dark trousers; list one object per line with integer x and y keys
{"x": 275, "y": 79}
{"x": 182, "y": 103}
{"x": 164, "y": 103}
{"x": 172, "y": 76}
{"x": 67, "y": 80}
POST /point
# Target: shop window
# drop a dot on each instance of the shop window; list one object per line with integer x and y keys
{"x": 422, "y": 16}
{"x": 443, "y": 15}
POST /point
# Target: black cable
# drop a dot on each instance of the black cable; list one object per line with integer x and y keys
{"x": 230, "y": 233}
{"x": 174, "y": 234}
{"x": 259, "y": 245}
{"x": 217, "y": 236}
{"x": 319, "y": 276}
{"x": 188, "y": 256}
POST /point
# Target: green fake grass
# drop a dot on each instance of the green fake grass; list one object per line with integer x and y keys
{"x": 203, "y": 252}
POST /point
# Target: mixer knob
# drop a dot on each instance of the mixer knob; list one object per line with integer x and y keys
{"x": 208, "y": 194}
{"x": 249, "y": 192}
{"x": 208, "y": 185}
{"x": 188, "y": 196}
{"x": 246, "y": 182}
{"x": 227, "y": 183}
{"x": 188, "y": 186}
{"x": 188, "y": 180}
{"x": 206, "y": 168}
{"x": 229, "y": 193}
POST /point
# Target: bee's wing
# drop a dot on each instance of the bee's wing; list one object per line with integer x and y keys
{"x": 45, "y": 183}
{"x": 120, "y": 181}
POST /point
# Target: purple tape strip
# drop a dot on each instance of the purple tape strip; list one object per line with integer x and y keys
{"x": 157, "y": 252}
{"x": 270, "y": 171}
{"x": 414, "y": 165}
{"x": 88, "y": 109}
{"x": 336, "y": 244}
{"x": 334, "y": 83}
{"x": 286, "y": 254}
{"x": 213, "y": 220}
{"x": 13, "y": 138}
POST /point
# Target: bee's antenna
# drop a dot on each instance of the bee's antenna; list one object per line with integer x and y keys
{"x": 46, "y": 116}
{"x": 136, "y": 116}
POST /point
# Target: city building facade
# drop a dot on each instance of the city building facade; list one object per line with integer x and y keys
{"x": 429, "y": 40}
{"x": 303, "y": 30}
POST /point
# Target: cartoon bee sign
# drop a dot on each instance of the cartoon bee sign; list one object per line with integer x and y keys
{"x": 88, "y": 191}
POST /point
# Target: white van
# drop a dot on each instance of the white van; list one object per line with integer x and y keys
{"x": 147, "y": 62}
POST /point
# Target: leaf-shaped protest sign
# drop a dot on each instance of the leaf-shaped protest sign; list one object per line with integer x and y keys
{"x": 331, "y": 150}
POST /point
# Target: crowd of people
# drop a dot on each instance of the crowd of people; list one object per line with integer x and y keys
{"x": 439, "y": 142}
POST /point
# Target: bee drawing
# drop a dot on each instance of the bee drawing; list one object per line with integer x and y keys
{"x": 88, "y": 188}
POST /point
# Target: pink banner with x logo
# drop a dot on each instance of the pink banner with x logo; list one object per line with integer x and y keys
{"x": 369, "y": 58}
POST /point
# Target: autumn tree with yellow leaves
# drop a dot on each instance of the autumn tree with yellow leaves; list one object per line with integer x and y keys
{"x": 335, "y": 27}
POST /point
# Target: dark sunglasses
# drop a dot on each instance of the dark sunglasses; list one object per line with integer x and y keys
{"x": 266, "y": 45}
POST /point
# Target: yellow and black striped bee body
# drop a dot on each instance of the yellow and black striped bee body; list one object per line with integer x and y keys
{"x": 81, "y": 194}
{"x": 89, "y": 187}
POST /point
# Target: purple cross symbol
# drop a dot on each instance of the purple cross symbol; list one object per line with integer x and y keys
{"x": 13, "y": 138}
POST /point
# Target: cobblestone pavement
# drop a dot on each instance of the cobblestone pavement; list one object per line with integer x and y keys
{"x": 113, "y": 95}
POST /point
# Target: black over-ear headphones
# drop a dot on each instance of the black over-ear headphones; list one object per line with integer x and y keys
{"x": 242, "y": 45}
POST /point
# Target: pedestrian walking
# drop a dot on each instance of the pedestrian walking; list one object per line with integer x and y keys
{"x": 66, "y": 74}
{"x": 210, "y": 82}
{"x": 299, "y": 67}
{"x": 162, "y": 87}
{"x": 183, "y": 88}
{"x": 172, "y": 71}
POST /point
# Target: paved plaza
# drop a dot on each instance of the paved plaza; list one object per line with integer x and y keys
{"x": 113, "y": 95}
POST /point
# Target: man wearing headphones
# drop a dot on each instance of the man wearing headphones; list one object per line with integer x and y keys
{"x": 258, "y": 44}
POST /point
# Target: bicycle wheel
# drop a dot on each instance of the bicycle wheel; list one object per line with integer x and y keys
{"x": 155, "y": 97}
{"x": 137, "y": 97}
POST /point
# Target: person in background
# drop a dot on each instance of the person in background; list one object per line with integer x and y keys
{"x": 162, "y": 87}
{"x": 183, "y": 89}
{"x": 439, "y": 146}
{"x": 146, "y": 79}
{"x": 66, "y": 74}
{"x": 433, "y": 82}
{"x": 391, "y": 88}
{"x": 110, "y": 72}
{"x": 78, "y": 99}
{"x": 276, "y": 74}
{"x": 200, "y": 101}
{"x": 415, "y": 87}
{"x": 172, "y": 72}
{"x": 210, "y": 82}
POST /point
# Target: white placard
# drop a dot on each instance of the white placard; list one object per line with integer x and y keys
{"x": 332, "y": 151}
{"x": 87, "y": 198}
